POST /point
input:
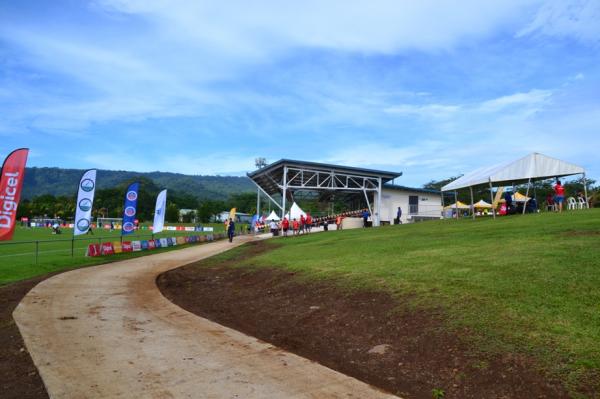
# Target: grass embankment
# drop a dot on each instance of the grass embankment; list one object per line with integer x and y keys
{"x": 18, "y": 257}
{"x": 525, "y": 284}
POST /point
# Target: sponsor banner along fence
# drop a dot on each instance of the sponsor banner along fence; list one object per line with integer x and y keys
{"x": 11, "y": 183}
{"x": 130, "y": 208}
{"x": 198, "y": 229}
{"x": 85, "y": 201}
{"x": 117, "y": 247}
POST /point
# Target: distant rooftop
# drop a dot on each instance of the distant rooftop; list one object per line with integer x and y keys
{"x": 411, "y": 189}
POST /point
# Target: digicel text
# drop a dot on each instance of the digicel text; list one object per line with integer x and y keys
{"x": 7, "y": 198}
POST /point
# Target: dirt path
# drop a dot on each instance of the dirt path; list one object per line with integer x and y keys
{"x": 107, "y": 332}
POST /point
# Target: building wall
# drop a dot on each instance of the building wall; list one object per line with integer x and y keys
{"x": 429, "y": 205}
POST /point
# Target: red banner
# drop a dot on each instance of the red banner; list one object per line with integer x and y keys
{"x": 93, "y": 250}
{"x": 127, "y": 246}
{"x": 11, "y": 182}
{"x": 107, "y": 248}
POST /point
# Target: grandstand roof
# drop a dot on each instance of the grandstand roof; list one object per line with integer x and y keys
{"x": 270, "y": 177}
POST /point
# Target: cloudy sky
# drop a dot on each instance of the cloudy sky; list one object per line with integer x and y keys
{"x": 430, "y": 88}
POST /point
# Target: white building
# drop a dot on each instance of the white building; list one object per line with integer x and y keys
{"x": 417, "y": 204}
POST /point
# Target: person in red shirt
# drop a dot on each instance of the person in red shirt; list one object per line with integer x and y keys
{"x": 302, "y": 223}
{"x": 296, "y": 226}
{"x": 308, "y": 222}
{"x": 559, "y": 195}
{"x": 285, "y": 225}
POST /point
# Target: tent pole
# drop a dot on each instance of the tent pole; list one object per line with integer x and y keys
{"x": 587, "y": 204}
{"x": 378, "y": 207}
{"x": 258, "y": 202}
{"x": 492, "y": 198}
{"x": 284, "y": 192}
{"x": 526, "y": 195}
{"x": 472, "y": 203}
{"x": 456, "y": 203}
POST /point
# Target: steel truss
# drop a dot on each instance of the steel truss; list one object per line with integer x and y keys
{"x": 299, "y": 178}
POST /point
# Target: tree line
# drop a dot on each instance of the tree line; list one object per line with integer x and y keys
{"x": 108, "y": 202}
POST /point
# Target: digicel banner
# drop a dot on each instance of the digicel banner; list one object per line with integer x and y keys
{"x": 11, "y": 182}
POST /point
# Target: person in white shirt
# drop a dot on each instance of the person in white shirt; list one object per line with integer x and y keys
{"x": 274, "y": 228}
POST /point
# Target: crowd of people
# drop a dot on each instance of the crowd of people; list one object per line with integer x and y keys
{"x": 305, "y": 223}
{"x": 555, "y": 201}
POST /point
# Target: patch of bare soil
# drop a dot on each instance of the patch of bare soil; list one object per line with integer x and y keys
{"x": 19, "y": 378}
{"x": 582, "y": 233}
{"x": 365, "y": 334}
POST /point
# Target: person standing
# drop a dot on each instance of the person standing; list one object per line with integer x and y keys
{"x": 231, "y": 230}
{"x": 285, "y": 225}
{"x": 302, "y": 223}
{"x": 365, "y": 216}
{"x": 296, "y": 226}
{"x": 274, "y": 228}
{"x": 399, "y": 215}
{"x": 309, "y": 222}
{"x": 559, "y": 195}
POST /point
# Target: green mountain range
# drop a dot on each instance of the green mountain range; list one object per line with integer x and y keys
{"x": 58, "y": 181}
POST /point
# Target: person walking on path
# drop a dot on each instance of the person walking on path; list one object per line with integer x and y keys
{"x": 309, "y": 222}
{"x": 399, "y": 215}
{"x": 296, "y": 226}
{"x": 231, "y": 230}
{"x": 559, "y": 195}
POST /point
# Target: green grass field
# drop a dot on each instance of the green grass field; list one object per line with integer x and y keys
{"x": 18, "y": 257}
{"x": 528, "y": 284}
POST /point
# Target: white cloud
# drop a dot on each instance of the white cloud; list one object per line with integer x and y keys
{"x": 425, "y": 111}
{"x": 530, "y": 101}
{"x": 520, "y": 104}
{"x": 253, "y": 28}
{"x": 576, "y": 18}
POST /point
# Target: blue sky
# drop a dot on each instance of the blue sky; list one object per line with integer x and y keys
{"x": 429, "y": 88}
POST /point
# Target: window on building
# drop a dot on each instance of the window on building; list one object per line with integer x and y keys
{"x": 413, "y": 204}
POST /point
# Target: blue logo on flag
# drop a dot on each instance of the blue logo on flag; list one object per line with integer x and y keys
{"x": 130, "y": 208}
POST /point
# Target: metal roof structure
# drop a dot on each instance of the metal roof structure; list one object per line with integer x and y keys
{"x": 287, "y": 176}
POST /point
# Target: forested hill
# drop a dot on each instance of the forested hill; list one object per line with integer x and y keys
{"x": 57, "y": 181}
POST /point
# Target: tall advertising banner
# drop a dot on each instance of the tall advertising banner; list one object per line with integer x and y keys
{"x": 130, "y": 208}
{"x": 85, "y": 200}
{"x": 159, "y": 212}
{"x": 11, "y": 183}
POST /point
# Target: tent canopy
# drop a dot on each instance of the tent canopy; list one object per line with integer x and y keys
{"x": 482, "y": 204}
{"x": 457, "y": 205}
{"x": 532, "y": 167}
{"x": 273, "y": 216}
{"x": 294, "y": 212}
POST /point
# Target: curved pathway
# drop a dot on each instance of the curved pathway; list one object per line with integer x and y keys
{"x": 107, "y": 332}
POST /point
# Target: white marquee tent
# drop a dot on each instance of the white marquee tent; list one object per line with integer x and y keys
{"x": 532, "y": 167}
{"x": 273, "y": 216}
{"x": 294, "y": 212}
